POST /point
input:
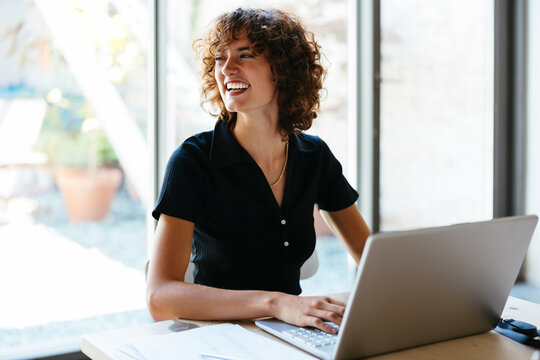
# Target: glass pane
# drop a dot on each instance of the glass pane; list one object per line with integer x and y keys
{"x": 532, "y": 198}
{"x": 436, "y": 112}
{"x": 73, "y": 113}
{"x": 328, "y": 21}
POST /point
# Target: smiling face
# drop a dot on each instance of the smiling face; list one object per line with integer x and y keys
{"x": 245, "y": 79}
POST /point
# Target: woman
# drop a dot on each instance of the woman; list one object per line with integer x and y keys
{"x": 239, "y": 199}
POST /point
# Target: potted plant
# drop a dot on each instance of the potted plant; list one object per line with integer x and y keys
{"x": 85, "y": 165}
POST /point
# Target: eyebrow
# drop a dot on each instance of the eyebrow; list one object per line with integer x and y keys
{"x": 242, "y": 48}
{"x": 239, "y": 49}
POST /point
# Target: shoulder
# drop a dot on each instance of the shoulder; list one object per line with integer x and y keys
{"x": 190, "y": 160}
{"x": 195, "y": 147}
{"x": 310, "y": 144}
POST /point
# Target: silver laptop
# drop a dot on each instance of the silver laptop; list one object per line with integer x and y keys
{"x": 423, "y": 286}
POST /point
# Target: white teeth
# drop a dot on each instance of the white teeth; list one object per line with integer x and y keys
{"x": 236, "y": 86}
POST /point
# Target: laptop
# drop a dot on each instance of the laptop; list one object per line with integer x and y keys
{"x": 422, "y": 286}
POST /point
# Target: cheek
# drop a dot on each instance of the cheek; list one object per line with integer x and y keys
{"x": 219, "y": 83}
{"x": 217, "y": 74}
{"x": 270, "y": 83}
{"x": 271, "y": 86}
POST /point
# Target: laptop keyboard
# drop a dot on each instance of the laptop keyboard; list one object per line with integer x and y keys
{"x": 312, "y": 340}
{"x": 312, "y": 337}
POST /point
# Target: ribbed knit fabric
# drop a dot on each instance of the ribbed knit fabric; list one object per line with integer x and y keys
{"x": 242, "y": 238}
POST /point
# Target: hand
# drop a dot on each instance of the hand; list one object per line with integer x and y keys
{"x": 309, "y": 311}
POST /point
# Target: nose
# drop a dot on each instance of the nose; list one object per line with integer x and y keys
{"x": 229, "y": 67}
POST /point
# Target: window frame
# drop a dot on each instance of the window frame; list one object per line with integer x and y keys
{"x": 364, "y": 92}
{"x": 510, "y": 88}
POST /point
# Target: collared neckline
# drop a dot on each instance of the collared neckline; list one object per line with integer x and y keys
{"x": 225, "y": 149}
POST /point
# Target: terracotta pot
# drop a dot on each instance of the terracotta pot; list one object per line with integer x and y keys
{"x": 88, "y": 194}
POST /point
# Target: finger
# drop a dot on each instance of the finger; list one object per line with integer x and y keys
{"x": 335, "y": 302}
{"x": 323, "y": 305}
{"x": 319, "y": 324}
{"x": 327, "y": 316}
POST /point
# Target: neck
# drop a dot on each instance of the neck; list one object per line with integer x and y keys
{"x": 261, "y": 137}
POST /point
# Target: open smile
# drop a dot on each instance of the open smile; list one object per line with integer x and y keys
{"x": 236, "y": 87}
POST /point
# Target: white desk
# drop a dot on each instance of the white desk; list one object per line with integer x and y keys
{"x": 490, "y": 345}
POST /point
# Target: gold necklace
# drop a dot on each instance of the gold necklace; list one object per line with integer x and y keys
{"x": 284, "y": 164}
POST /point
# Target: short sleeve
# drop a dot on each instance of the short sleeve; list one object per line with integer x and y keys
{"x": 334, "y": 192}
{"x": 184, "y": 185}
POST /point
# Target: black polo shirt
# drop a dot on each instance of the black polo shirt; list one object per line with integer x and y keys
{"x": 242, "y": 238}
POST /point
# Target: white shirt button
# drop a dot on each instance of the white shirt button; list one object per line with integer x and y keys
{"x": 286, "y": 243}
{"x": 283, "y": 222}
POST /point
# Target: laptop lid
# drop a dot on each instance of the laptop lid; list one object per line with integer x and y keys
{"x": 423, "y": 286}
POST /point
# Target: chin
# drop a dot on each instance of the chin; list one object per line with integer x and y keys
{"x": 231, "y": 108}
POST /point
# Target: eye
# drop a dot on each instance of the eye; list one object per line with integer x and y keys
{"x": 219, "y": 58}
{"x": 247, "y": 55}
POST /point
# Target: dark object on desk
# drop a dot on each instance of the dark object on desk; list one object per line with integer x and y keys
{"x": 178, "y": 326}
{"x": 519, "y": 331}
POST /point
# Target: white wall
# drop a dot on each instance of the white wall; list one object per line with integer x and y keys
{"x": 533, "y": 138}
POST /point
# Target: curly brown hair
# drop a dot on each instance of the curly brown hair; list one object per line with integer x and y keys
{"x": 291, "y": 50}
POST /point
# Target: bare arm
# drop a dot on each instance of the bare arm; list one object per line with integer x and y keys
{"x": 169, "y": 297}
{"x": 349, "y": 226}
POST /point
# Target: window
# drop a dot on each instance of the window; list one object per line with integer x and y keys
{"x": 73, "y": 114}
{"x": 436, "y": 112}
